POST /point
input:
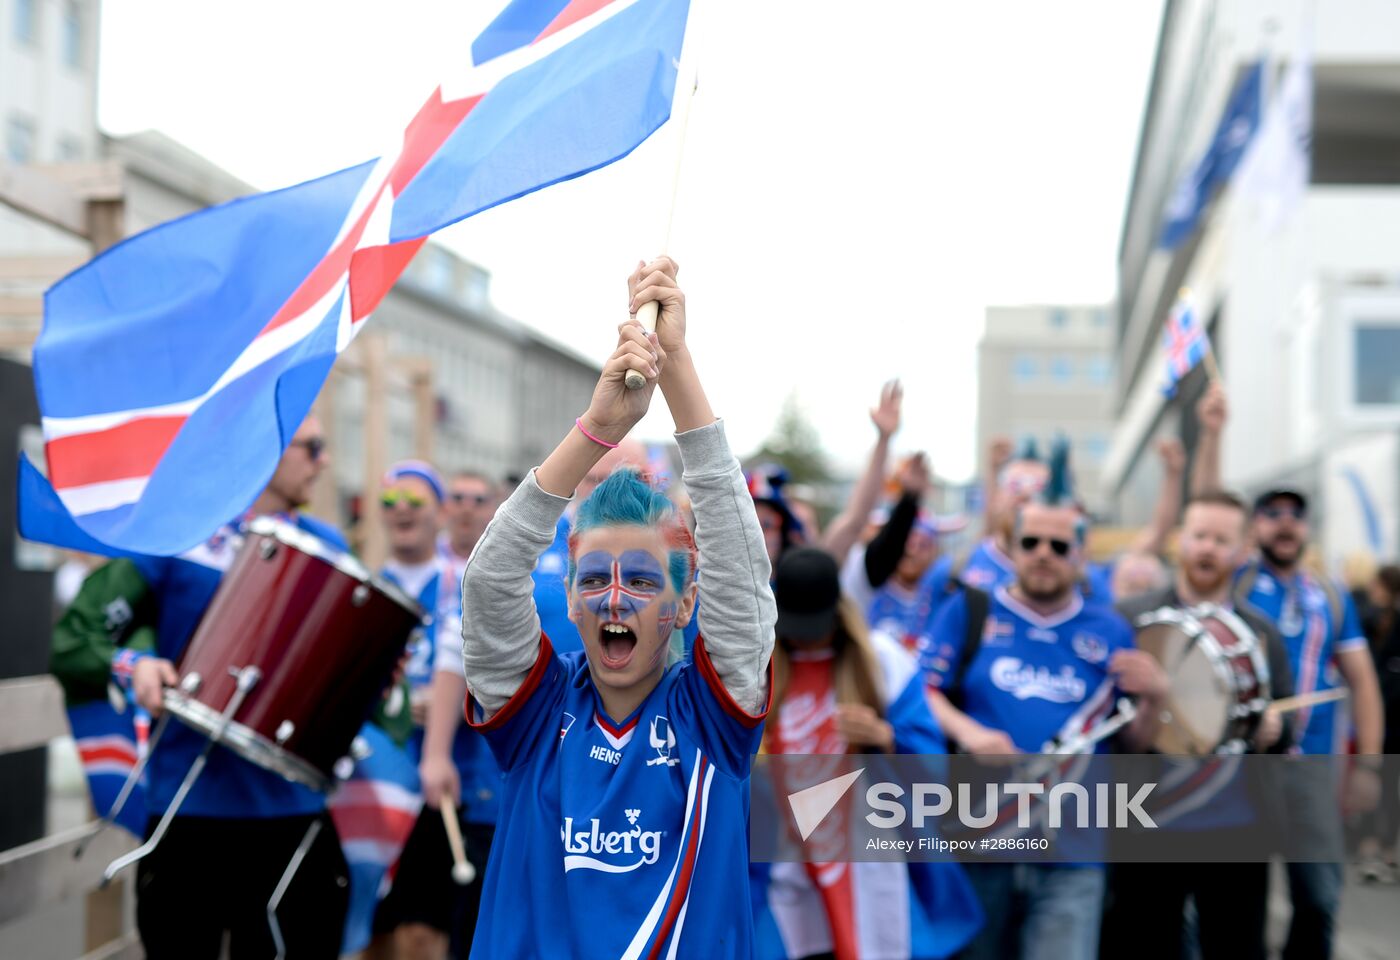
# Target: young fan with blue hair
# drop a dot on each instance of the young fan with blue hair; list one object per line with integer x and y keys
{"x": 623, "y": 820}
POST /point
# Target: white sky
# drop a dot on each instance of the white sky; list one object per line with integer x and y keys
{"x": 860, "y": 181}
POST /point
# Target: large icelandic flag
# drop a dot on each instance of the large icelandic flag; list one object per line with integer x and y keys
{"x": 172, "y": 370}
{"x": 374, "y": 812}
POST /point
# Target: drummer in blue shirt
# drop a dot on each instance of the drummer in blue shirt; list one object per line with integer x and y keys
{"x": 225, "y": 852}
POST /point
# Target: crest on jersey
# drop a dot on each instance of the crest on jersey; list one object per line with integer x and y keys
{"x": 663, "y": 741}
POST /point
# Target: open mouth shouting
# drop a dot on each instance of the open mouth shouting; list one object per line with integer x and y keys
{"x": 617, "y": 643}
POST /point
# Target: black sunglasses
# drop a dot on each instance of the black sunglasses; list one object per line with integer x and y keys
{"x": 314, "y": 446}
{"x": 1278, "y": 513}
{"x": 479, "y": 499}
{"x": 1061, "y": 547}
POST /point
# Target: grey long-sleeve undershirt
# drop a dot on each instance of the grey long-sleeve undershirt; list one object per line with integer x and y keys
{"x": 501, "y": 629}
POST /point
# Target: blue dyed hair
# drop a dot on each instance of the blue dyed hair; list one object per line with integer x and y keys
{"x": 625, "y": 499}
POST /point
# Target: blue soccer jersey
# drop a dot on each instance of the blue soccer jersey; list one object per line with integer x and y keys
{"x": 619, "y": 838}
{"x": 1303, "y": 613}
{"x": 908, "y": 615}
{"x": 987, "y": 567}
{"x": 1033, "y": 677}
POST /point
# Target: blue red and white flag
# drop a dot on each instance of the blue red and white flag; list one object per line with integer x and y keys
{"x": 173, "y": 369}
{"x": 374, "y": 812}
{"x": 109, "y": 744}
{"x": 1185, "y": 340}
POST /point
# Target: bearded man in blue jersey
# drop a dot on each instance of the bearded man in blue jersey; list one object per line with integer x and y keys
{"x": 1008, "y": 674}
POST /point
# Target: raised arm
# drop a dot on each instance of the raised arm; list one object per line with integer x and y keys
{"x": 1153, "y": 537}
{"x": 737, "y": 612}
{"x": 844, "y": 531}
{"x": 1211, "y": 412}
{"x": 500, "y": 626}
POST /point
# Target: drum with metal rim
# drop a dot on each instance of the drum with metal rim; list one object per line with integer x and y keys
{"x": 322, "y": 637}
{"x": 1217, "y": 677}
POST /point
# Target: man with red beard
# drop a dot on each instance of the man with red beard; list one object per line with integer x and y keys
{"x": 1146, "y": 900}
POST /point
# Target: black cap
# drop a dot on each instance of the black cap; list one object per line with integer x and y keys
{"x": 807, "y": 588}
{"x": 1291, "y": 493}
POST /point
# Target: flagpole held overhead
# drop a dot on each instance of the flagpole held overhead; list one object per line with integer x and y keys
{"x": 647, "y": 312}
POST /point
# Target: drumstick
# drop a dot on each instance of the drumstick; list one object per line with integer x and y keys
{"x": 462, "y": 870}
{"x": 1288, "y": 704}
{"x": 647, "y": 312}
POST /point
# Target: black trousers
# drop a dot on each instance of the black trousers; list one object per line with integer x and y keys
{"x": 211, "y": 875}
{"x": 1144, "y": 910}
{"x": 424, "y": 891}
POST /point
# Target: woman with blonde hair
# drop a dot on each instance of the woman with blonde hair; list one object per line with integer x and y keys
{"x": 839, "y": 689}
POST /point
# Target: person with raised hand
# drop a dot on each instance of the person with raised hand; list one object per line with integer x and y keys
{"x": 626, "y": 771}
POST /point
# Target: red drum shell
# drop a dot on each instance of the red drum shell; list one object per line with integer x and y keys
{"x": 325, "y": 636}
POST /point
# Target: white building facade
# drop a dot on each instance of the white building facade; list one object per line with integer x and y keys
{"x": 1304, "y": 313}
{"x": 1045, "y": 372}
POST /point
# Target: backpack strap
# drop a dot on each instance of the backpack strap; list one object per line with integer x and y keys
{"x": 1244, "y": 583}
{"x": 979, "y": 605}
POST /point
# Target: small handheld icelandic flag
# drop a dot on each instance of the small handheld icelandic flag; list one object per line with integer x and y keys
{"x": 1186, "y": 342}
{"x": 173, "y": 369}
{"x": 374, "y": 812}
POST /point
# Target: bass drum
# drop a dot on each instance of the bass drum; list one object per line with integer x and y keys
{"x": 323, "y": 637}
{"x": 1217, "y": 678}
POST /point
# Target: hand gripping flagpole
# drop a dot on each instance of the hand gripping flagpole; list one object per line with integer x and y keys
{"x": 647, "y": 312}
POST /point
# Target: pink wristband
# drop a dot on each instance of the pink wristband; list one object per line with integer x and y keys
{"x": 578, "y": 422}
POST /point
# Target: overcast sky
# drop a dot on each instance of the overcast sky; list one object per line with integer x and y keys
{"x": 860, "y": 180}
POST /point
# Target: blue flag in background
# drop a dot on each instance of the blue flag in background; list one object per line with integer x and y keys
{"x": 1232, "y": 136}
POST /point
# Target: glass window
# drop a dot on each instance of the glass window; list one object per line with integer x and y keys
{"x": 19, "y": 140}
{"x": 72, "y": 35}
{"x": 1059, "y": 318}
{"x": 1098, "y": 371}
{"x": 1062, "y": 370}
{"x": 24, "y": 22}
{"x": 1377, "y": 364}
{"x": 1025, "y": 369}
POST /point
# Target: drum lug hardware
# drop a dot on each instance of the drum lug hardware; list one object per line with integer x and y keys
{"x": 285, "y": 729}
{"x": 268, "y": 550}
{"x": 361, "y": 596}
{"x": 360, "y": 748}
{"x": 191, "y": 684}
{"x": 343, "y": 769}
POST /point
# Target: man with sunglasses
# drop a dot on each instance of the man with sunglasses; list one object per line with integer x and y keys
{"x": 425, "y": 910}
{"x": 239, "y": 826}
{"x": 1009, "y": 673}
{"x": 1327, "y": 648}
{"x": 470, "y": 505}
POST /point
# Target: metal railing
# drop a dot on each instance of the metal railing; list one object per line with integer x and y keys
{"x": 46, "y": 873}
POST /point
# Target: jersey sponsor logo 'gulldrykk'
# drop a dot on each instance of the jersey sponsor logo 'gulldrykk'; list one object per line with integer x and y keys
{"x": 1024, "y": 681}
{"x": 622, "y": 850}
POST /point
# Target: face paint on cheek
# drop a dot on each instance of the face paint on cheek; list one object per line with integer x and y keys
{"x": 666, "y": 619}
